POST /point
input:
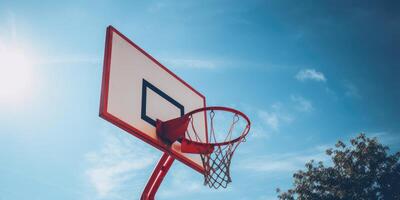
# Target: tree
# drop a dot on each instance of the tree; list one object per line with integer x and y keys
{"x": 362, "y": 170}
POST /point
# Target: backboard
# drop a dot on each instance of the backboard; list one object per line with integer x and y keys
{"x": 137, "y": 90}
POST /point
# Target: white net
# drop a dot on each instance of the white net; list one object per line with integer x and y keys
{"x": 225, "y": 131}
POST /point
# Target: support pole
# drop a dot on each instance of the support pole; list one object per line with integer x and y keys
{"x": 157, "y": 177}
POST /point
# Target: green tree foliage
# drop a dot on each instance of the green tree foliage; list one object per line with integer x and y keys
{"x": 362, "y": 170}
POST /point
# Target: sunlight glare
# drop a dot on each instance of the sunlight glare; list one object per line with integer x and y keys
{"x": 16, "y": 75}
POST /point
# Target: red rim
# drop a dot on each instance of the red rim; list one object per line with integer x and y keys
{"x": 220, "y": 108}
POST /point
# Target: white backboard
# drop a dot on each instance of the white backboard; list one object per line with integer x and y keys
{"x": 137, "y": 90}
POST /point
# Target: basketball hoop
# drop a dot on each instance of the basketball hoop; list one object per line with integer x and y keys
{"x": 216, "y": 150}
{"x": 137, "y": 91}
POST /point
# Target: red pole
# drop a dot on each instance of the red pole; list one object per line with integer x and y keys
{"x": 157, "y": 177}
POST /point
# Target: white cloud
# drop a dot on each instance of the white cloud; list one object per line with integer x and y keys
{"x": 302, "y": 104}
{"x": 392, "y": 140}
{"x": 258, "y": 131}
{"x": 286, "y": 162}
{"x": 10, "y": 34}
{"x": 273, "y": 119}
{"x": 191, "y": 63}
{"x": 293, "y": 161}
{"x": 351, "y": 90}
{"x": 185, "y": 183}
{"x": 119, "y": 160}
{"x": 310, "y": 74}
{"x": 182, "y": 178}
{"x": 70, "y": 59}
{"x": 156, "y": 7}
{"x": 266, "y": 122}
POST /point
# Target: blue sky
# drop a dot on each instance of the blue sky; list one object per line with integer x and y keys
{"x": 306, "y": 73}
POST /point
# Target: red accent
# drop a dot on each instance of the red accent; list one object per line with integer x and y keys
{"x": 106, "y": 73}
{"x": 172, "y": 130}
{"x": 157, "y": 177}
{"x": 221, "y": 109}
{"x": 188, "y": 146}
{"x": 125, "y": 126}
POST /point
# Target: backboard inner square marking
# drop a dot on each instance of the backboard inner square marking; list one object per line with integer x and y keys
{"x": 158, "y": 105}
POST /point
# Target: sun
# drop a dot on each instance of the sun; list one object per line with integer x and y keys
{"x": 16, "y": 75}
